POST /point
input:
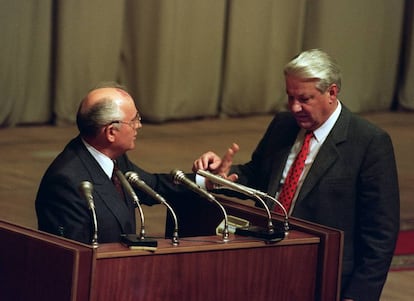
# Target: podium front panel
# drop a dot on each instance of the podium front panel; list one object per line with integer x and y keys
{"x": 39, "y": 266}
{"x": 203, "y": 268}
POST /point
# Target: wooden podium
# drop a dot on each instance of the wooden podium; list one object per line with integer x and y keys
{"x": 304, "y": 266}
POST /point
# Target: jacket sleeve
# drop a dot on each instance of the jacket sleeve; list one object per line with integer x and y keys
{"x": 377, "y": 218}
{"x": 61, "y": 210}
{"x": 160, "y": 182}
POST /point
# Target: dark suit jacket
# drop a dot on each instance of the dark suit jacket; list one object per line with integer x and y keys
{"x": 62, "y": 211}
{"x": 352, "y": 186}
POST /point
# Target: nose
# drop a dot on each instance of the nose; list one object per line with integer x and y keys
{"x": 295, "y": 106}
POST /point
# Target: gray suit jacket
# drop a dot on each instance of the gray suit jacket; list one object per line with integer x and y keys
{"x": 352, "y": 186}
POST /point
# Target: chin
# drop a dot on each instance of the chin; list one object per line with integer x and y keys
{"x": 304, "y": 124}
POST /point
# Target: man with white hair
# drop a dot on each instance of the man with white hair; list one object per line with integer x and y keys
{"x": 345, "y": 176}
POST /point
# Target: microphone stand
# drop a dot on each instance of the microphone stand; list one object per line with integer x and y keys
{"x": 226, "y": 232}
{"x": 286, "y": 217}
{"x": 95, "y": 228}
{"x": 270, "y": 234}
{"x": 135, "y": 180}
{"x": 86, "y": 189}
{"x": 130, "y": 191}
{"x": 270, "y": 227}
{"x": 130, "y": 241}
{"x": 179, "y": 177}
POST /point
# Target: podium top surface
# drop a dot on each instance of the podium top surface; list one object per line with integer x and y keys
{"x": 201, "y": 244}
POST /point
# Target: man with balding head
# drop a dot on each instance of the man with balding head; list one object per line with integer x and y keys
{"x": 108, "y": 122}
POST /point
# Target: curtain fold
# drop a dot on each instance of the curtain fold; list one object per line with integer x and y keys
{"x": 262, "y": 37}
{"x": 365, "y": 39}
{"x": 88, "y": 43}
{"x": 172, "y": 57}
{"x": 25, "y": 61}
{"x": 406, "y": 87}
{"x": 184, "y": 59}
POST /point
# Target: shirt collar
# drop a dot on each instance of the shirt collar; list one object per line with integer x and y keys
{"x": 322, "y": 132}
{"x": 104, "y": 161}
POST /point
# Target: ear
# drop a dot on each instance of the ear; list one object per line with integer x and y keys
{"x": 333, "y": 92}
{"x": 110, "y": 132}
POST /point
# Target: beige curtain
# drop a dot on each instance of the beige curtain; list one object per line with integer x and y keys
{"x": 25, "y": 61}
{"x": 88, "y": 44}
{"x": 172, "y": 57}
{"x": 184, "y": 59}
{"x": 262, "y": 37}
{"x": 406, "y": 91}
{"x": 365, "y": 38}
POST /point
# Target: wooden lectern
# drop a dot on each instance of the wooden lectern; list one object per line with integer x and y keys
{"x": 304, "y": 266}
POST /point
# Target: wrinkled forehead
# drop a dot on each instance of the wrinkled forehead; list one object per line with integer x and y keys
{"x": 298, "y": 83}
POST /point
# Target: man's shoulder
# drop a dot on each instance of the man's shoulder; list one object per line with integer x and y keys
{"x": 68, "y": 160}
{"x": 358, "y": 132}
{"x": 366, "y": 127}
{"x": 283, "y": 118}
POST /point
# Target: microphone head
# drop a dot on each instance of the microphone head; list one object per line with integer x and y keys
{"x": 86, "y": 187}
{"x": 131, "y": 176}
{"x": 177, "y": 176}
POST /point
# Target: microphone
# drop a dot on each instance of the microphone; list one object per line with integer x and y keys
{"x": 270, "y": 234}
{"x": 134, "y": 179}
{"x": 179, "y": 177}
{"x": 224, "y": 182}
{"x": 85, "y": 189}
{"x": 142, "y": 241}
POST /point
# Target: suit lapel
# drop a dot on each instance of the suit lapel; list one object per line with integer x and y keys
{"x": 104, "y": 188}
{"x": 286, "y": 136}
{"x": 327, "y": 155}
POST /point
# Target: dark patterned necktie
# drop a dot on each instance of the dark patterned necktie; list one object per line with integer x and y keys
{"x": 117, "y": 182}
{"x": 292, "y": 178}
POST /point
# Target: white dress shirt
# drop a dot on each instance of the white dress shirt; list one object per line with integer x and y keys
{"x": 104, "y": 161}
{"x": 319, "y": 137}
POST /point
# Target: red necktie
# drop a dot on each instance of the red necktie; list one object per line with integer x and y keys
{"x": 117, "y": 182}
{"x": 292, "y": 178}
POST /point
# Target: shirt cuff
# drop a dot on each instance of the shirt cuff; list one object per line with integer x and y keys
{"x": 200, "y": 181}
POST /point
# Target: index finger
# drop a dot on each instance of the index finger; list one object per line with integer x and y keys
{"x": 227, "y": 160}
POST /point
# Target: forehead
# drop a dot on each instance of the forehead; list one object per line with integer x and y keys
{"x": 296, "y": 85}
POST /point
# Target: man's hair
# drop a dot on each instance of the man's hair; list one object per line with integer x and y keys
{"x": 314, "y": 64}
{"x": 103, "y": 112}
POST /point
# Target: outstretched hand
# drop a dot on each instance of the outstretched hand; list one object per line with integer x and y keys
{"x": 211, "y": 162}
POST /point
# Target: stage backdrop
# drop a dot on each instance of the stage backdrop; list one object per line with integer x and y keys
{"x": 185, "y": 59}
